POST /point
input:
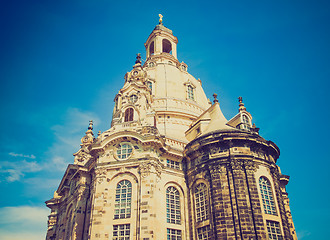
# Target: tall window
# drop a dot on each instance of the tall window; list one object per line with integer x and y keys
{"x": 201, "y": 202}
{"x": 129, "y": 113}
{"x": 173, "y": 234}
{"x": 121, "y": 232}
{"x": 124, "y": 151}
{"x": 69, "y": 225}
{"x": 116, "y": 104}
{"x": 123, "y": 200}
{"x": 191, "y": 92}
{"x": 204, "y": 233}
{"x": 274, "y": 231}
{"x": 267, "y": 196}
{"x": 152, "y": 48}
{"x": 173, "y": 205}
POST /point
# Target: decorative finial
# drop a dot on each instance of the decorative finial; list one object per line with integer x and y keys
{"x": 138, "y": 58}
{"x": 90, "y": 127}
{"x": 99, "y": 133}
{"x": 241, "y": 104}
{"x": 240, "y": 99}
{"x": 160, "y": 19}
{"x": 215, "y": 98}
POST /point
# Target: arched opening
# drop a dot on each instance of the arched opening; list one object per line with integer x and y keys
{"x": 167, "y": 46}
{"x": 152, "y": 48}
{"x": 246, "y": 123}
{"x": 129, "y": 113}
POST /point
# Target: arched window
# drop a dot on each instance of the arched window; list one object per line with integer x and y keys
{"x": 246, "y": 122}
{"x": 173, "y": 211}
{"x": 201, "y": 203}
{"x": 191, "y": 92}
{"x": 167, "y": 46}
{"x": 123, "y": 199}
{"x": 124, "y": 151}
{"x": 129, "y": 113}
{"x": 69, "y": 225}
{"x": 152, "y": 48}
{"x": 267, "y": 196}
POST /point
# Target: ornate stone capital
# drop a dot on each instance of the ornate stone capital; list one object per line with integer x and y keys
{"x": 100, "y": 174}
{"x": 146, "y": 168}
{"x": 274, "y": 171}
{"x": 235, "y": 165}
{"x": 217, "y": 170}
{"x": 250, "y": 166}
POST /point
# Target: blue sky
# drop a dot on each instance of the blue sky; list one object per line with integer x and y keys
{"x": 63, "y": 62}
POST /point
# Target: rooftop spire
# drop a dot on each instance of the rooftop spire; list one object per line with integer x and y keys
{"x": 89, "y": 137}
{"x": 90, "y": 126}
{"x": 241, "y": 104}
{"x": 138, "y": 58}
{"x": 215, "y": 98}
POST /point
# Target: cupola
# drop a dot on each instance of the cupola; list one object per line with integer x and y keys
{"x": 161, "y": 41}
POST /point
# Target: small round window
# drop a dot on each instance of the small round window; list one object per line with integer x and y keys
{"x": 133, "y": 98}
{"x": 124, "y": 151}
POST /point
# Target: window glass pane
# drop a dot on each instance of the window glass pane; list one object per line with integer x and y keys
{"x": 121, "y": 232}
{"x": 204, "y": 233}
{"x": 124, "y": 151}
{"x": 190, "y": 92}
{"x": 273, "y": 229}
{"x": 174, "y": 234}
{"x": 201, "y": 202}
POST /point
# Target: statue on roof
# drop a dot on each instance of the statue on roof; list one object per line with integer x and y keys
{"x": 160, "y": 19}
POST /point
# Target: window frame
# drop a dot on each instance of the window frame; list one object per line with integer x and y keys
{"x": 267, "y": 195}
{"x": 202, "y": 212}
{"x": 121, "y": 237}
{"x": 129, "y": 115}
{"x": 190, "y": 92}
{"x": 173, "y": 234}
{"x": 274, "y": 232}
{"x": 133, "y": 98}
{"x": 124, "y": 151}
{"x": 205, "y": 230}
{"x": 173, "y": 206}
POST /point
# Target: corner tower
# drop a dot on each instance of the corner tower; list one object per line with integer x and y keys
{"x": 236, "y": 190}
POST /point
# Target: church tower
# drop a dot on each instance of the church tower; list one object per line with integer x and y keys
{"x": 171, "y": 166}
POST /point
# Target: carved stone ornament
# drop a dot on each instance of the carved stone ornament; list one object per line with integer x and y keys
{"x": 144, "y": 169}
{"x": 236, "y": 165}
{"x": 250, "y": 166}
{"x": 217, "y": 170}
{"x": 100, "y": 174}
{"x": 274, "y": 171}
{"x": 52, "y": 219}
{"x": 216, "y": 150}
{"x": 150, "y": 167}
{"x": 82, "y": 155}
